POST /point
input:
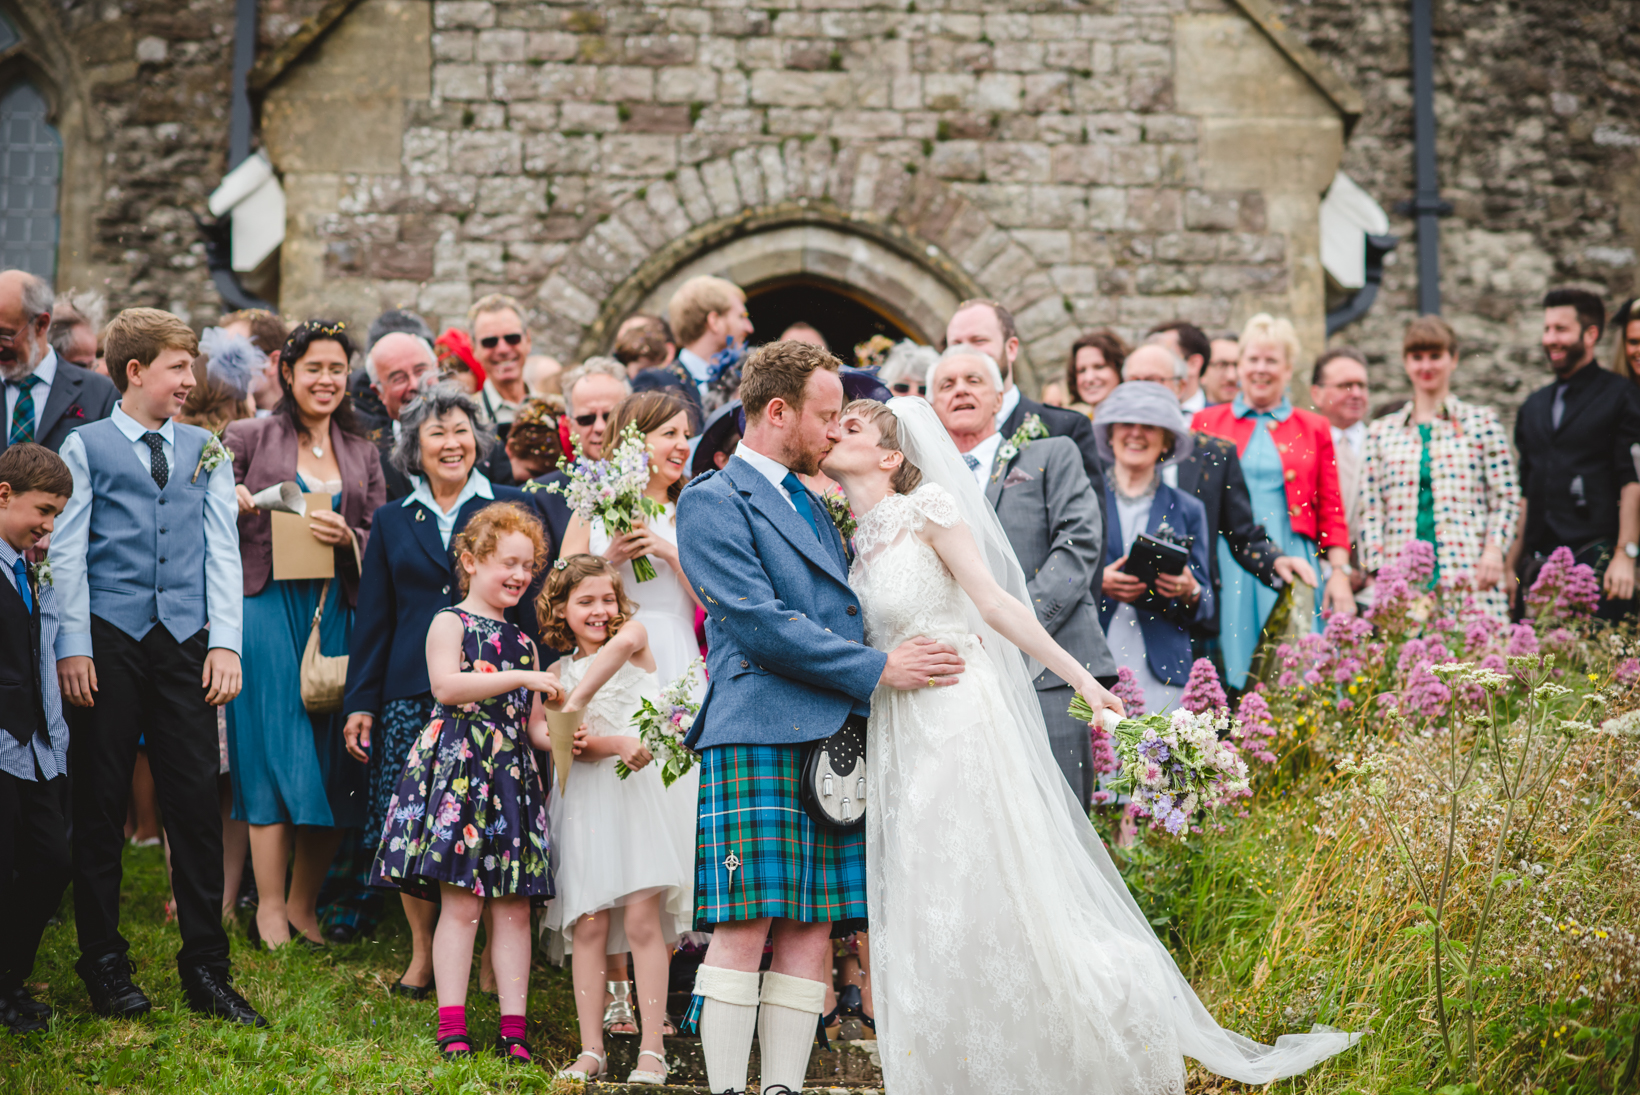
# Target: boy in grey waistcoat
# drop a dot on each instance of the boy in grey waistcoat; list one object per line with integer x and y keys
{"x": 146, "y": 558}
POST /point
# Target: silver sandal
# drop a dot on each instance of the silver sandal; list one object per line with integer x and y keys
{"x": 618, "y": 1011}
{"x": 573, "y": 1073}
{"x": 644, "y": 1076}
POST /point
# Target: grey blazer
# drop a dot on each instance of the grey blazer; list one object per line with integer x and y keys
{"x": 1052, "y": 516}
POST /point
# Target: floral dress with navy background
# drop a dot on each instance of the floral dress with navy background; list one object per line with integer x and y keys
{"x": 470, "y": 809}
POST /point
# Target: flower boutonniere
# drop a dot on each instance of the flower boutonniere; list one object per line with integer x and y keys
{"x": 841, "y": 515}
{"x": 211, "y": 457}
{"x": 1029, "y": 430}
{"x": 41, "y": 572}
{"x": 74, "y": 411}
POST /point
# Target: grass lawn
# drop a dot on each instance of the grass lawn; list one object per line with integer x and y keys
{"x": 334, "y": 1025}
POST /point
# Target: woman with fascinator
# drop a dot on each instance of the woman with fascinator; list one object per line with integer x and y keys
{"x": 292, "y": 781}
{"x": 1140, "y": 430}
{"x": 1008, "y": 955}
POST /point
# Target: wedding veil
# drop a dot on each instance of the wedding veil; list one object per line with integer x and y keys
{"x": 1073, "y": 849}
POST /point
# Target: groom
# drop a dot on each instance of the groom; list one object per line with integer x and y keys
{"x": 788, "y": 665}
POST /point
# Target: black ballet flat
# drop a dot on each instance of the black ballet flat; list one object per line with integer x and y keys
{"x": 413, "y": 992}
{"x": 448, "y": 1040}
{"x": 297, "y": 935}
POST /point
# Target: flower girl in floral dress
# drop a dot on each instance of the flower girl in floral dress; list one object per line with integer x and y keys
{"x": 622, "y": 881}
{"x": 468, "y": 822}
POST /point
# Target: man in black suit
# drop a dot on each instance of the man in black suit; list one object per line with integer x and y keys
{"x": 1578, "y": 438}
{"x": 988, "y": 326}
{"x": 1212, "y": 474}
{"x": 46, "y": 397}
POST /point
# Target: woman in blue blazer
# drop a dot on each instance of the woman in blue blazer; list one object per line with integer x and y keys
{"x": 409, "y": 574}
{"x": 1140, "y": 429}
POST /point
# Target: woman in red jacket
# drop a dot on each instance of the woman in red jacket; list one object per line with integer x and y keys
{"x": 1287, "y": 457}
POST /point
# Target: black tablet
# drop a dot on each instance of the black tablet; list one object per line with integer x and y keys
{"x": 1151, "y": 556}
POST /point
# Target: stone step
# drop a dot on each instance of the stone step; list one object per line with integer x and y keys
{"x": 846, "y": 1066}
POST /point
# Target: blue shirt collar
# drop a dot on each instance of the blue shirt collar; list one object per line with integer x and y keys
{"x": 1282, "y": 411}
{"x": 477, "y": 487}
{"x": 8, "y": 560}
{"x": 133, "y": 430}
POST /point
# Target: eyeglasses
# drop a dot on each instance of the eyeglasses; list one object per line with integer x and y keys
{"x": 490, "y": 342}
{"x": 907, "y": 389}
{"x": 1351, "y": 386}
{"x": 589, "y": 419}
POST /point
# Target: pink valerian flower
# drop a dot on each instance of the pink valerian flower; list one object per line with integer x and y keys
{"x": 1254, "y": 728}
{"x": 1627, "y": 671}
{"x": 1402, "y": 587}
{"x": 1130, "y": 692}
{"x": 1523, "y": 641}
{"x": 1203, "y": 691}
{"x": 1564, "y": 588}
{"x": 1105, "y": 759}
{"x": 1418, "y": 561}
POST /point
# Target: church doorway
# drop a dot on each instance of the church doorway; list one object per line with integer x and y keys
{"x": 844, "y": 316}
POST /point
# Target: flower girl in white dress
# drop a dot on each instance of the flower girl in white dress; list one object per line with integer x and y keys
{"x": 619, "y": 888}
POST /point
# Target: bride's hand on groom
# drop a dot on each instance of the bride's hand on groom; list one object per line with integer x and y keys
{"x": 921, "y": 663}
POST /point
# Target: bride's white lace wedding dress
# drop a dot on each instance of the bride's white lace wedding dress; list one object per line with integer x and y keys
{"x": 1007, "y": 954}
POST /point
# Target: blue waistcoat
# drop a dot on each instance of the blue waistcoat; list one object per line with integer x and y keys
{"x": 145, "y": 552}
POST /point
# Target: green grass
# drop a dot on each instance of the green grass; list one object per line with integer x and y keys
{"x": 334, "y": 1025}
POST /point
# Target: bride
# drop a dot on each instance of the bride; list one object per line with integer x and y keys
{"x": 1007, "y": 953}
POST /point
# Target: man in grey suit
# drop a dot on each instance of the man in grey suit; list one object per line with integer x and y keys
{"x": 46, "y": 398}
{"x": 1052, "y": 516}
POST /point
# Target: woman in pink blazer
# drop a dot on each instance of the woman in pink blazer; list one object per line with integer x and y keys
{"x": 292, "y": 780}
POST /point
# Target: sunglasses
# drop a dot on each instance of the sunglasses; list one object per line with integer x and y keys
{"x": 491, "y": 342}
{"x": 589, "y": 419}
{"x": 907, "y": 389}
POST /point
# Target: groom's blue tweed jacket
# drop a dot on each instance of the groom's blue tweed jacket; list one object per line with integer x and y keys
{"x": 786, "y": 652}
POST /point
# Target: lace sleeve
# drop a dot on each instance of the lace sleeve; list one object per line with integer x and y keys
{"x": 935, "y": 503}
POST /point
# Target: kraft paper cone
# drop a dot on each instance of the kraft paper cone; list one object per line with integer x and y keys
{"x": 283, "y": 497}
{"x": 563, "y": 725}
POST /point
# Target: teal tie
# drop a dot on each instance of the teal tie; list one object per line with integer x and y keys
{"x": 800, "y": 499}
{"x": 22, "y": 415}
{"x": 20, "y": 570}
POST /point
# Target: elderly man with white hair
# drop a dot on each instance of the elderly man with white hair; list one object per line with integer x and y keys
{"x": 1052, "y": 515}
{"x": 46, "y": 397}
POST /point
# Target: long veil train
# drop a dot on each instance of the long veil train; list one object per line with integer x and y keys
{"x": 1079, "y": 868}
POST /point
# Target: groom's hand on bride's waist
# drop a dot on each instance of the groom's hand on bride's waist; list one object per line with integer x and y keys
{"x": 922, "y": 663}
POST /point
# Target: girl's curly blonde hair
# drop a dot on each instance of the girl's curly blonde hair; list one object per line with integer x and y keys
{"x": 565, "y": 575}
{"x": 484, "y": 532}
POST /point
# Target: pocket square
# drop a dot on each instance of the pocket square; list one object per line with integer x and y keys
{"x": 1017, "y": 476}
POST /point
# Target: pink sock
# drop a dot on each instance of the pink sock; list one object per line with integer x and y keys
{"x": 453, "y": 1021}
{"x": 512, "y": 1026}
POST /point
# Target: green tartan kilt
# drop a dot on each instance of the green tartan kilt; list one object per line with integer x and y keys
{"x": 784, "y": 864}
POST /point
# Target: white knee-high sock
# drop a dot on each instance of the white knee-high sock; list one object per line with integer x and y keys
{"x": 728, "y": 1018}
{"x": 786, "y": 1028}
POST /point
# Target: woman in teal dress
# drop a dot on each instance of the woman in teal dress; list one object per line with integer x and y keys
{"x": 1292, "y": 476}
{"x": 292, "y": 781}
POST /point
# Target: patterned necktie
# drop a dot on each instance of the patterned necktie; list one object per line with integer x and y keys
{"x": 800, "y": 499}
{"x": 22, "y": 415}
{"x": 20, "y": 570}
{"x": 156, "y": 462}
{"x": 971, "y": 460}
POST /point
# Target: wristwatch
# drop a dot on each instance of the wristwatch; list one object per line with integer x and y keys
{"x": 1632, "y": 550}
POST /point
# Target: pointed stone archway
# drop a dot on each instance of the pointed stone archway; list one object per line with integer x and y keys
{"x": 912, "y": 245}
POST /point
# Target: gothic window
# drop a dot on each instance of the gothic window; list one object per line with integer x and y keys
{"x": 31, "y": 166}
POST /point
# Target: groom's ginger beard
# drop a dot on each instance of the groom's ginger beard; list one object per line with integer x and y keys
{"x": 800, "y": 435}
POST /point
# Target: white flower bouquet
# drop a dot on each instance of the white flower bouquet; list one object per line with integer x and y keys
{"x": 611, "y": 491}
{"x": 663, "y": 726}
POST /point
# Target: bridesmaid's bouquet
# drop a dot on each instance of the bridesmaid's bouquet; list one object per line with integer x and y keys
{"x": 1174, "y": 765}
{"x": 663, "y": 726}
{"x": 611, "y": 491}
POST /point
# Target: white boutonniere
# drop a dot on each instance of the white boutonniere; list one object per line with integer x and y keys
{"x": 211, "y": 457}
{"x": 41, "y": 572}
{"x": 1029, "y": 430}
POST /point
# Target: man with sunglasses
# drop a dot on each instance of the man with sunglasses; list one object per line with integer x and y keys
{"x": 501, "y": 342}
{"x": 591, "y": 390}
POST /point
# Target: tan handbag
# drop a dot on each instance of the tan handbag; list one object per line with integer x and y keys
{"x": 323, "y": 678}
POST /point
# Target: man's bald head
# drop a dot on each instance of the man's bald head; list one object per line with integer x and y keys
{"x": 25, "y": 318}
{"x": 397, "y": 365}
{"x": 1155, "y": 361}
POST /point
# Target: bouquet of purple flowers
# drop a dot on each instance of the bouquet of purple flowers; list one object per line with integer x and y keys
{"x": 663, "y": 726}
{"x": 611, "y": 491}
{"x": 1174, "y": 765}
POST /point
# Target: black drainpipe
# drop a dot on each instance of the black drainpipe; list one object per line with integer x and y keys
{"x": 218, "y": 249}
{"x": 1426, "y": 205}
{"x": 1356, "y": 307}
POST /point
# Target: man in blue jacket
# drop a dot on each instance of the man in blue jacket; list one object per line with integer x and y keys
{"x": 788, "y": 665}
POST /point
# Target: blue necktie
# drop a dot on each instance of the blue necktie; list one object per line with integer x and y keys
{"x": 800, "y": 499}
{"x": 22, "y": 416}
{"x": 971, "y": 460}
{"x": 20, "y": 570}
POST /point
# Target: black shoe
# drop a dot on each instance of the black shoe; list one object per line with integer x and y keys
{"x": 108, "y": 983}
{"x": 23, "y": 1001}
{"x": 209, "y": 991}
{"x": 504, "y": 1046}
{"x": 297, "y": 935}
{"x": 414, "y": 992}
{"x": 341, "y": 933}
{"x": 20, "y": 1022}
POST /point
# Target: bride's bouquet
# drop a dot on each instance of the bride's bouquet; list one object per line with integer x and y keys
{"x": 611, "y": 490}
{"x": 1174, "y": 765}
{"x": 662, "y": 727}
